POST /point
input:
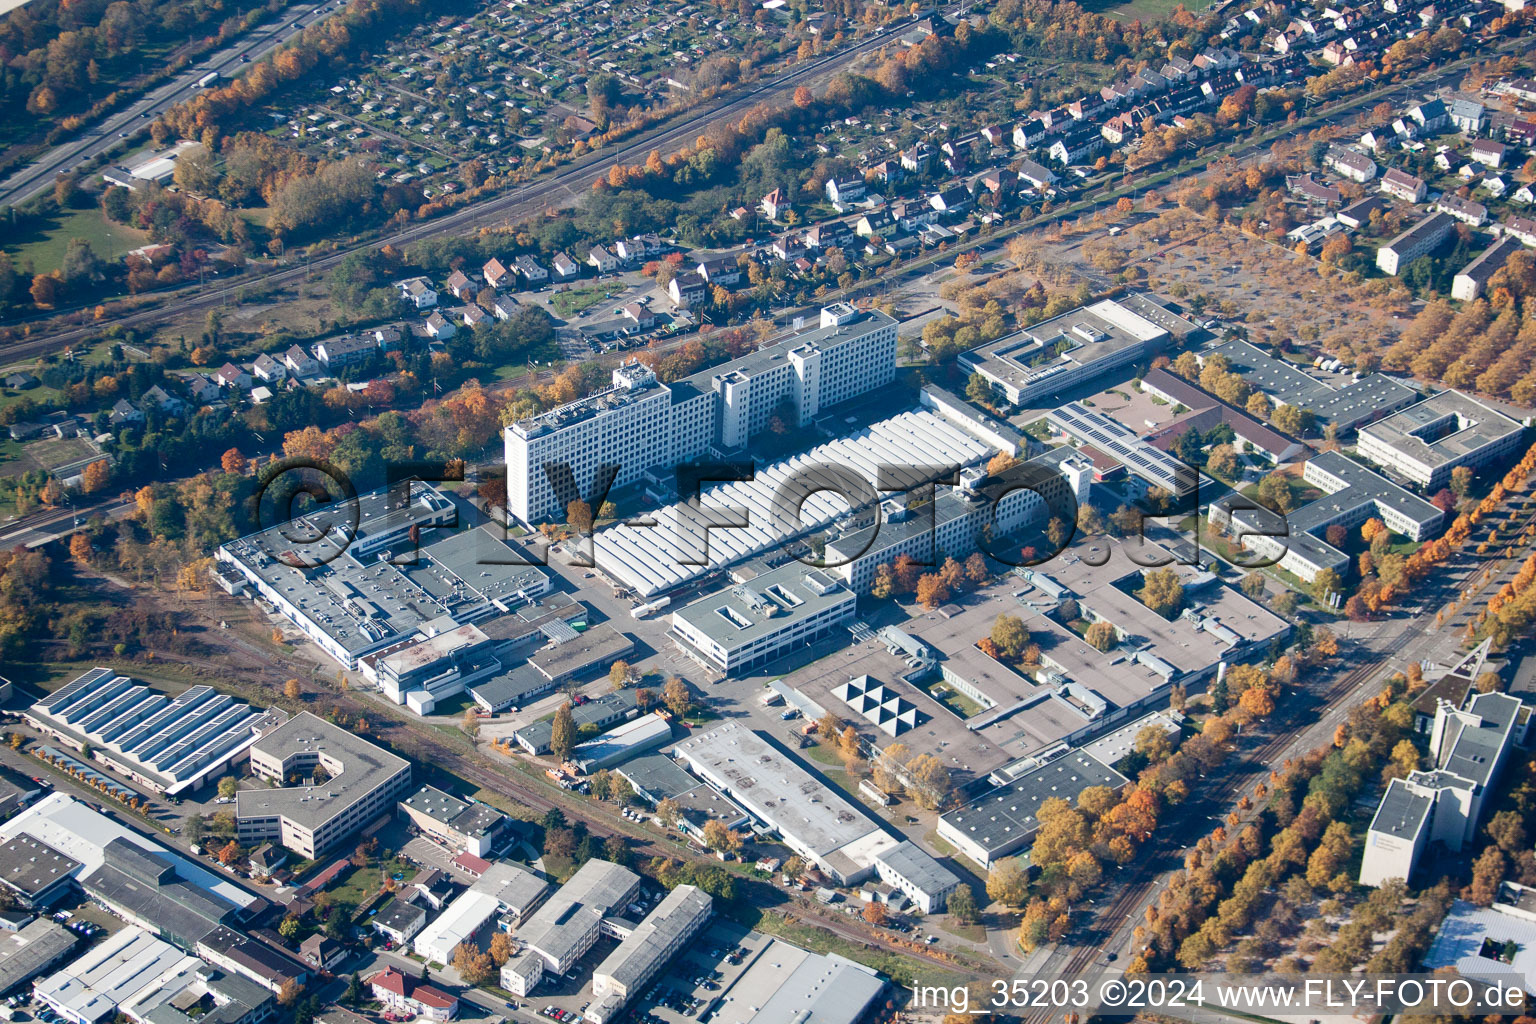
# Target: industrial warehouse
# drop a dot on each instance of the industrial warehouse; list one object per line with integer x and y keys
{"x": 351, "y": 577}
{"x": 171, "y": 745}
{"x": 768, "y": 510}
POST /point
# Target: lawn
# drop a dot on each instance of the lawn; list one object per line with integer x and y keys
{"x": 904, "y": 970}
{"x": 568, "y": 303}
{"x": 951, "y": 698}
{"x": 1144, "y": 10}
{"x": 43, "y": 244}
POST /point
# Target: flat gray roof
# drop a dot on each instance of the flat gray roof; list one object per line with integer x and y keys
{"x": 595, "y": 891}
{"x": 1402, "y": 812}
{"x": 515, "y": 888}
{"x": 1363, "y": 485}
{"x": 1085, "y": 335}
{"x": 32, "y": 867}
{"x": 656, "y": 776}
{"x": 365, "y": 767}
{"x": 598, "y": 645}
{"x": 652, "y": 942}
{"x": 1354, "y": 403}
{"x": 766, "y": 604}
{"x": 360, "y": 599}
{"x": 473, "y": 819}
{"x": 27, "y": 952}
{"x": 777, "y": 354}
{"x": 787, "y": 983}
{"x": 999, "y": 818}
{"x": 912, "y": 862}
{"x": 768, "y": 784}
{"x": 1474, "y": 751}
{"x": 1442, "y": 428}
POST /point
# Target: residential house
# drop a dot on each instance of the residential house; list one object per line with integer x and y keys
{"x": 915, "y": 160}
{"x": 1039, "y": 176}
{"x": 1466, "y": 115}
{"x": 460, "y": 285}
{"x": 503, "y": 307}
{"x": 268, "y": 369}
{"x": 1488, "y": 153}
{"x": 953, "y": 201}
{"x": 348, "y": 349}
{"x": 565, "y": 268}
{"x": 788, "y": 246}
{"x": 1465, "y": 210}
{"x": 439, "y": 327}
{"x": 1523, "y": 228}
{"x": 495, "y": 273}
{"x": 162, "y": 400}
{"x": 1349, "y": 164}
{"x": 774, "y": 204}
{"x": 888, "y": 172}
{"x": 828, "y": 234}
{"x": 874, "y": 223}
{"x": 418, "y": 291}
{"x": 299, "y": 362}
{"x": 1029, "y": 134}
{"x": 231, "y": 376}
{"x": 402, "y": 994}
{"x": 202, "y": 389}
{"x": 124, "y": 413}
{"x": 399, "y": 920}
{"x": 720, "y": 270}
{"x": 1473, "y": 279}
{"x": 532, "y": 270}
{"x": 1076, "y": 147}
{"x": 321, "y": 952}
{"x": 1378, "y": 137}
{"x": 600, "y": 258}
{"x": 472, "y": 316}
{"x": 1403, "y": 185}
{"x": 686, "y": 289}
{"x": 1359, "y": 212}
{"x": 642, "y": 316}
{"x": 1432, "y": 117}
{"x": 846, "y": 190}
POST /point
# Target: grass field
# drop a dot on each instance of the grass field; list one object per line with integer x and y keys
{"x": 44, "y": 243}
{"x": 53, "y": 452}
{"x": 568, "y": 303}
{"x": 1145, "y": 10}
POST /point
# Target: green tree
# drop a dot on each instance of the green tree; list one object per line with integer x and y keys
{"x": 228, "y": 787}
{"x": 1009, "y": 635}
{"x": 1101, "y": 636}
{"x": 1007, "y": 883}
{"x": 1325, "y": 583}
{"x": 1162, "y": 592}
{"x": 562, "y": 736}
{"x": 962, "y": 904}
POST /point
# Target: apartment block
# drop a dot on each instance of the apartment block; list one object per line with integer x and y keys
{"x": 638, "y": 422}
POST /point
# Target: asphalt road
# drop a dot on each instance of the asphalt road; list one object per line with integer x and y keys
{"x": 136, "y": 117}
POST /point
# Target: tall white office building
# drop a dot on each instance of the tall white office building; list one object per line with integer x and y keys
{"x": 639, "y": 422}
